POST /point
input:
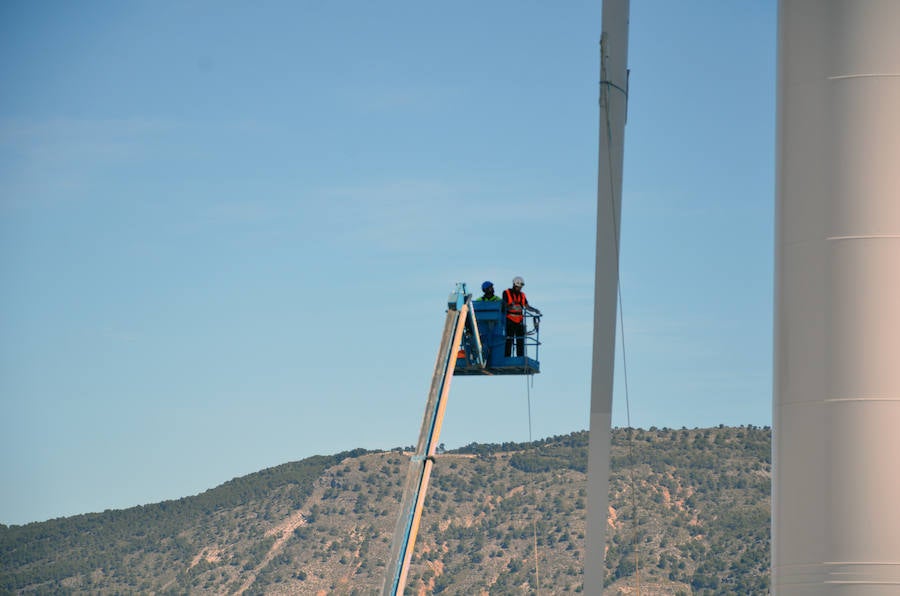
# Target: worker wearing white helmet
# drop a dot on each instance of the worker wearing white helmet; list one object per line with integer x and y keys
{"x": 514, "y": 304}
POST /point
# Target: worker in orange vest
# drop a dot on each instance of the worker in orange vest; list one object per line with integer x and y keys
{"x": 515, "y": 304}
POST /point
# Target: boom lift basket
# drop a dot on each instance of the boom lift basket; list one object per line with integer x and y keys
{"x": 491, "y": 328}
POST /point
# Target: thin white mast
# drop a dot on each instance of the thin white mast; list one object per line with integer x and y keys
{"x": 613, "y": 103}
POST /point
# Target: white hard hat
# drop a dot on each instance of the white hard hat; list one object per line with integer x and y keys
{"x": 518, "y": 281}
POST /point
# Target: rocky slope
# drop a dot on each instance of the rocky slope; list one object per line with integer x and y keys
{"x": 689, "y": 514}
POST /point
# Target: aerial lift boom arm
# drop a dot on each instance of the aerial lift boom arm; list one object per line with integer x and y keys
{"x": 460, "y": 316}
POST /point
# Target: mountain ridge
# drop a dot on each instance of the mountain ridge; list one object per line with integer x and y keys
{"x": 322, "y": 525}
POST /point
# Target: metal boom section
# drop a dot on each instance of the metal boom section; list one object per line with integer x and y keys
{"x": 422, "y": 461}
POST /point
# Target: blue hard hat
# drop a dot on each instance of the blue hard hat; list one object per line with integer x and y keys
{"x": 486, "y": 285}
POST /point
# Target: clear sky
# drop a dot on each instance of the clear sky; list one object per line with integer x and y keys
{"x": 228, "y": 229}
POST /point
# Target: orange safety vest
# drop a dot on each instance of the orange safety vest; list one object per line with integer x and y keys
{"x": 514, "y": 302}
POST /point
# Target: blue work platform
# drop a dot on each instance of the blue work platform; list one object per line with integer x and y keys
{"x": 491, "y": 322}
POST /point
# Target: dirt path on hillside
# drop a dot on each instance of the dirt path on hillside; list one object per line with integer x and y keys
{"x": 283, "y": 531}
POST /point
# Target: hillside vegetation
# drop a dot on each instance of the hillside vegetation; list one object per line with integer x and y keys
{"x": 689, "y": 514}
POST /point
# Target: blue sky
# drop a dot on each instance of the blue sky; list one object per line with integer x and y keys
{"x": 228, "y": 229}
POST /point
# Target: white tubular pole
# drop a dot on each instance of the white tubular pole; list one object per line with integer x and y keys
{"x": 836, "y": 403}
{"x": 613, "y": 103}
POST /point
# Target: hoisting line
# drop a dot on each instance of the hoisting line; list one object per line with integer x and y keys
{"x": 616, "y": 218}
